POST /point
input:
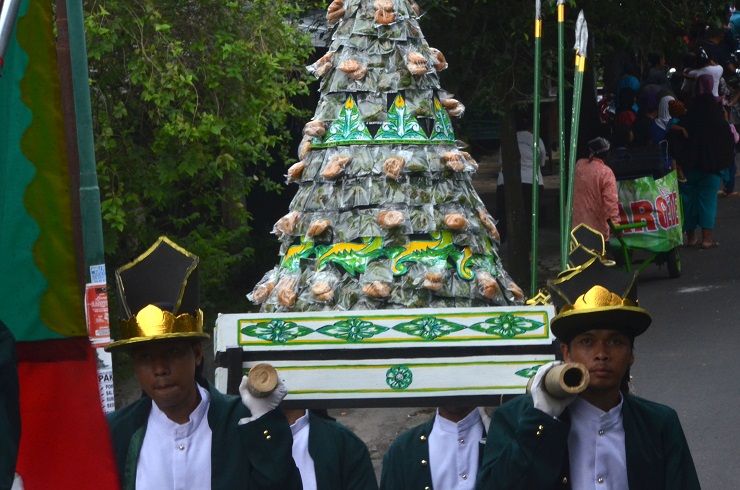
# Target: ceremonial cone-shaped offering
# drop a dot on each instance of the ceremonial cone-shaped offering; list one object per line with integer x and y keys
{"x": 386, "y": 215}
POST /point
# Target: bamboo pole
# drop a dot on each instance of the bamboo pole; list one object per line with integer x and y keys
{"x": 262, "y": 380}
{"x": 565, "y": 380}
{"x": 535, "y": 143}
{"x": 581, "y": 44}
{"x": 561, "y": 130}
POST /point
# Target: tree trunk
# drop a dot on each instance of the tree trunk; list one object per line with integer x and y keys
{"x": 516, "y": 222}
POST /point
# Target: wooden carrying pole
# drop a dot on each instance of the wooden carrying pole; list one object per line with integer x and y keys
{"x": 565, "y": 380}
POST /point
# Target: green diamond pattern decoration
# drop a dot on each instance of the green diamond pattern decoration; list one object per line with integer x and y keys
{"x": 428, "y": 327}
{"x": 353, "y": 330}
{"x": 276, "y": 331}
{"x": 507, "y": 326}
{"x": 401, "y": 126}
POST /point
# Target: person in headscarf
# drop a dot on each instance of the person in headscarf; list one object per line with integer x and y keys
{"x": 595, "y": 197}
{"x": 659, "y": 128}
{"x": 708, "y": 150}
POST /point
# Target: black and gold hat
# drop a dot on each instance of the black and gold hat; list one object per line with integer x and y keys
{"x": 158, "y": 293}
{"x": 593, "y": 294}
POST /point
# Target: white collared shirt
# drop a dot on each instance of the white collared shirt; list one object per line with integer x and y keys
{"x": 453, "y": 451}
{"x": 598, "y": 459}
{"x": 303, "y": 460}
{"x": 176, "y": 456}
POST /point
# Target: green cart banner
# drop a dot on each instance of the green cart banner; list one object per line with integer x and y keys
{"x": 655, "y": 203}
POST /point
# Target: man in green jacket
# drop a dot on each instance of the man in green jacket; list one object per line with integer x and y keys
{"x": 183, "y": 433}
{"x": 328, "y": 454}
{"x": 602, "y": 438}
{"x": 442, "y": 453}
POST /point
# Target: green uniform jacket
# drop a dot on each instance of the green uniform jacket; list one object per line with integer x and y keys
{"x": 242, "y": 456}
{"x": 406, "y": 463}
{"x": 528, "y": 449}
{"x": 341, "y": 460}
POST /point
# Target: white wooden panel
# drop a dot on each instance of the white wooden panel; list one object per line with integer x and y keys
{"x": 470, "y": 327}
{"x": 406, "y": 378}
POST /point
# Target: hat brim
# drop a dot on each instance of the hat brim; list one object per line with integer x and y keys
{"x": 631, "y": 320}
{"x": 125, "y": 344}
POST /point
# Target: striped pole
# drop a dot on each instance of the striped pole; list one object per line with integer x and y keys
{"x": 581, "y": 44}
{"x": 561, "y": 130}
{"x": 535, "y": 144}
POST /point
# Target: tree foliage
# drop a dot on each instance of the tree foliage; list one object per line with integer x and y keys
{"x": 191, "y": 100}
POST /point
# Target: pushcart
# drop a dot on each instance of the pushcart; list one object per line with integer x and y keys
{"x": 650, "y": 228}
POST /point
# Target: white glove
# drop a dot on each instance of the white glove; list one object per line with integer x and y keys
{"x": 542, "y": 399}
{"x": 260, "y": 406}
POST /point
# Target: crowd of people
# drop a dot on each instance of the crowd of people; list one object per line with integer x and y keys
{"x": 688, "y": 120}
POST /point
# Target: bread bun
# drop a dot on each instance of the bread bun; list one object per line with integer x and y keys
{"x": 489, "y": 287}
{"x": 390, "y": 219}
{"x": 262, "y": 292}
{"x": 384, "y": 17}
{"x": 416, "y": 63}
{"x": 377, "y": 289}
{"x": 433, "y": 281}
{"x": 353, "y": 69}
{"x": 335, "y": 12}
{"x": 439, "y": 61}
{"x": 315, "y": 129}
{"x": 393, "y": 166}
{"x": 455, "y": 221}
{"x": 285, "y": 292}
{"x": 287, "y": 224}
{"x": 488, "y": 224}
{"x": 336, "y": 166}
{"x": 323, "y": 64}
{"x": 317, "y": 227}
{"x": 296, "y": 170}
{"x": 322, "y": 291}
{"x": 454, "y": 161}
{"x": 516, "y": 291}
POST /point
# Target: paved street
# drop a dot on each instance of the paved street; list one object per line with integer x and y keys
{"x": 688, "y": 357}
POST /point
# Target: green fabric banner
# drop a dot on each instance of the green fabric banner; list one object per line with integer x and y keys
{"x": 40, "y": 296}
{"x": 655, "y": 203}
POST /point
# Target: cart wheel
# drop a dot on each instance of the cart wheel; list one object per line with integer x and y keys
{"x": 673, "y": 260}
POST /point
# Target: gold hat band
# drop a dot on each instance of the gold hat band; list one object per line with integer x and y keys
{"x": 597, "y": 297}
{"x": 152, "y": 321}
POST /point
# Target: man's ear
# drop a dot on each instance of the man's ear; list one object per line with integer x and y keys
{"x": 198, "y": 351}
{"x": 565, "y": 351}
